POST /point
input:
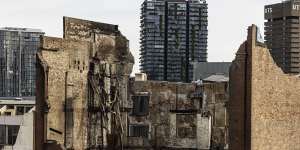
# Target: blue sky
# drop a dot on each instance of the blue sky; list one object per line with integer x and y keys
{"x": 228, "y": 19}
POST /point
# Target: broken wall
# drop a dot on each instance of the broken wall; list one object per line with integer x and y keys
{"x": 215, "y": 104}
{"x": 67, "y": 63}
{"x": 64, "y": 80}
{"x": 266, "y": 113}
{"x": 181, "y": 115}
{"x": 172, "y": 115}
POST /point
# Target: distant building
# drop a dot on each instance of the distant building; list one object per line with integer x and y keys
{"x": 282, "y": 34}
{"x": 18, "y": 47}
{"x": 204, "y": 70}
{"x": 216, "y": 78}
{"x": 16, "y": 106}
{"x": 173, "y": 35}
{"x": 16, "y": 123}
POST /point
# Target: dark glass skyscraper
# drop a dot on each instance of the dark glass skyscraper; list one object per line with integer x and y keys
{"x": 18, "y": 47}
{"x": 173, "y": 36}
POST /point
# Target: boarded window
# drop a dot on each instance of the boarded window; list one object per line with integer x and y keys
{"x": 140, "y": 105}
{"x": 138, "y": 130}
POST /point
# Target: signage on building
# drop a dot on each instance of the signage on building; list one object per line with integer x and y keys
{"x": 296, "y": 7}
{"x": 268, "y": 10}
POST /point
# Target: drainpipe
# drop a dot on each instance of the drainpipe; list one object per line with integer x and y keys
{"x": 65, "y": 108}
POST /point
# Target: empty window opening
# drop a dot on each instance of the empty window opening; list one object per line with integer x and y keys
{"x": 20, "y": 110}
{"x": 8, "y": 134}
{"x": 140, "y": 105}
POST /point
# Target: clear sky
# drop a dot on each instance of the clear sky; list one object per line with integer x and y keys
{"x": 228, "y": 19}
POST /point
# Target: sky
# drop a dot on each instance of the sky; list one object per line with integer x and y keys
{"x": 227, "y": 20}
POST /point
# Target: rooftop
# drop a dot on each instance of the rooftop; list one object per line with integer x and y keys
{"x": 204, "y": 70}
{"x": 17, "y": 100}
{"x": 21, "y": 29}
{"x": 217, "y": 78}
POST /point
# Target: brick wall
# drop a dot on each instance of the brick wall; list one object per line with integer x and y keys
{"x": 267, "y": 114}
{"x": 64, "y": 87}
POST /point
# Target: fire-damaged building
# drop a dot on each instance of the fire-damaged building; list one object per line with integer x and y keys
{"x": 168, "y": 115}
{"x": 86, "y": 99}
{"x": 82, "y": 87}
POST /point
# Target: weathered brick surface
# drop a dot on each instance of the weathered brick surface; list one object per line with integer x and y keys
{"x": 275, "y": 121}
{"x": 162, "y": 100}
{"x": 273, "y": 103}
{"x": 64, "y": 86}
{"x": 71, "y": 57}
{"x": 216, "y": 95}
{"x": 179, "y": 119}
{"x": 236, "y": 106}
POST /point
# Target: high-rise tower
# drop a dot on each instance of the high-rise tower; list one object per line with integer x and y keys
{"x": 282, "y": 34}
{"x": 173, "y": 36}
{"x": 18, "y": 47}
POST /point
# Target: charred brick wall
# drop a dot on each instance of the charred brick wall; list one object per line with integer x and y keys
{"x": 68, "y": 63}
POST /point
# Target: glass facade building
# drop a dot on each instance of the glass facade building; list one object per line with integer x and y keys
{"x": 18, "y": 47}
{"x": 173, "y": 36}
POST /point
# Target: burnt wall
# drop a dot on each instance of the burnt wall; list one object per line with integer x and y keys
{"x": 86, "y": 47}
